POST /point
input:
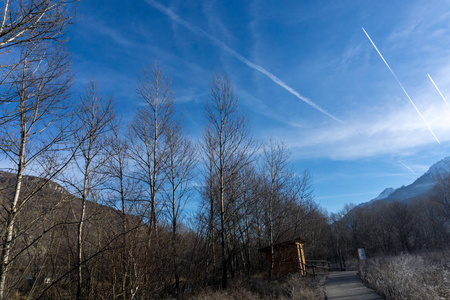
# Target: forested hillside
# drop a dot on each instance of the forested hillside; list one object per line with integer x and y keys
{"x": 409, "y": 219}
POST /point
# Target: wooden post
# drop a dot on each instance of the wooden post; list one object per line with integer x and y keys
{"x": 301, "y": 258}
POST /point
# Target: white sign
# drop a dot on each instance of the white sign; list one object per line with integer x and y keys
{"x": 361, "y": 254}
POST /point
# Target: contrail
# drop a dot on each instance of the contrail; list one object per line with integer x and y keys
{"x": 174, "y": 17}
{"x": 438, "y": 89}
{"x": 401, "y": 85}
{"x": 412, "y": 171}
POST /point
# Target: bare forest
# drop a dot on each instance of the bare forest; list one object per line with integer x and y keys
{"x": 96, "y": 208}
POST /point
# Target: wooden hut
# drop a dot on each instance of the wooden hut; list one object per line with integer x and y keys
{"x": 289, "y": 257}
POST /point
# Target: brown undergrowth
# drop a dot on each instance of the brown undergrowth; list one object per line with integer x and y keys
{"x": 290, "y": 287}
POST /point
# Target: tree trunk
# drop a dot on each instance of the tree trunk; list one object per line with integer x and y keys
{"x": 6, "y": 250}
{"x": 80, "y": 235}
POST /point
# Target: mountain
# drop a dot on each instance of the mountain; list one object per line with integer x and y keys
{"x": 421, "y": 187}
{"x": 384, "y": 194}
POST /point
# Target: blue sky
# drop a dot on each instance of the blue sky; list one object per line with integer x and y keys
{"x": 358, "y": 134}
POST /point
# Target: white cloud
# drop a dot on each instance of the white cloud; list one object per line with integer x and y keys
{"x": 387, "y": 126}
{"x": 390, "y": 130}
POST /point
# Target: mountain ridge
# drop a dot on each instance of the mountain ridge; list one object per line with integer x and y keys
{"x": 421, "y": 187}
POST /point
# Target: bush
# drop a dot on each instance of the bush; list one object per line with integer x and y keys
{"x": 409, "y": 276}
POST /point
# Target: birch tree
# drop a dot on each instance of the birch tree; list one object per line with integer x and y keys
{"x": 123, "y": 195}
{"x": 30, "y": 22}
{"x": 179, "y": 171}
{"x": 148, "y": 133}
{"x": 275, "y": 170}
{"x": 228, "y": 146}
{"x": 34, "y": 118}
{"x": 95, "y": 115}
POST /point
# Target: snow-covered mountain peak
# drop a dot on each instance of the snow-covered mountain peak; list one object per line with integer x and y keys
{"x": 439, "y": 169}
{"x": 385, "y": 193}
{"x": 420, "y": 188}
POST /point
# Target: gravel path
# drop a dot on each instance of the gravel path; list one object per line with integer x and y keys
{"x": 348, "y": 285}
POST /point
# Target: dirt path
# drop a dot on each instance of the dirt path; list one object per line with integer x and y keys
{"x": 348, "y": 285}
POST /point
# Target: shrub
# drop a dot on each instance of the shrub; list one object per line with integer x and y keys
{"x": 409, "y": 276}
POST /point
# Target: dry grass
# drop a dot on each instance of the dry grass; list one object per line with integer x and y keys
{"x": 410, "y": 276}
{"x": 301, "y": 288}
{"x": 292, "y": 287}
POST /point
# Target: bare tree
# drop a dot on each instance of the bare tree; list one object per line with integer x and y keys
{"x": 34, "y": 120}
{"x": 276, "y": 173}
{"x": 148, "y": 132}
{"x": 209, "y": 194}
{"x": 31, "y": 22}
{"x": 124, "y": 192}
{"x": 27, "y": 77}
{"x": 246, "y": 219}
{"x": 179, "y": 170}
{"x": 227, "y": 145}
{"x": 95, "y": 115}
